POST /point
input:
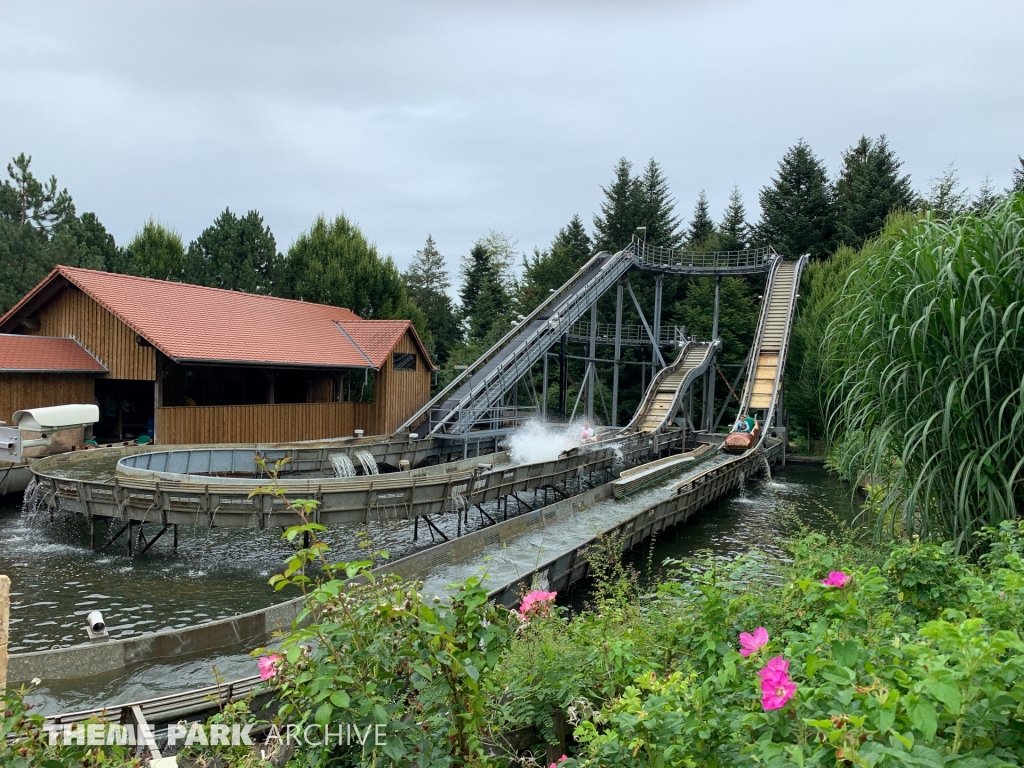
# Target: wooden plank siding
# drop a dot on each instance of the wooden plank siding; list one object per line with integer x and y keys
{"x": 262, "y": 423}
{"x": 19, "y": 391}
{"x": 73, "y": 313}
{"x": 400, "y": 394}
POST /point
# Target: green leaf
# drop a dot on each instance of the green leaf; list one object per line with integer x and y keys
{"x": 323, "y": 714}
{"x": 473, "y": 673}
{"x": 845, "y": 653}
{"x": 340, "y": 699}
{"x": 945, "y": 692}
{"x": 923, "y": 717}
{"x": 293, "y": 654}
{"x": 884, "y": 718}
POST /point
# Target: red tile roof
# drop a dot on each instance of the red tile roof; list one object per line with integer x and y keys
{"x": 45, "y": 354}
{"x": 191, "y": 323}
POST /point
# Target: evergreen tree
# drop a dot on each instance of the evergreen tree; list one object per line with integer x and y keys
{"x": 485, "y": 300}
{"x": 238, "y": 254}
{"x": 869, "y": 188}
{"x": 549, "y": 270}
{"x": 334, "y": 264}
{"x": 82, "y": 242}
{"x": 986, "y": 197}
{"x": 656, "y": 209}
{"x": 427, "y": 283}
{"x": 26, "y": 200}
{"x": 39, "y": 230}
{"x": 734, "y": 233}
{"x": 1017, "y": 184}
{"x": 702, "y": 226}
{"x": 738, "y": 312}
{"x": 156, "y": 251}
{"x": 947, "y": 197}
{"x": 615, "y": 227}
{"x": 632, "y": 202}
{"x": 796, "y": 210}
{"x": 22, "y": 261}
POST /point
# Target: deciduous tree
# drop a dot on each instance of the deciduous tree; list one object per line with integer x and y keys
{"x": 156, "y": 251}
{"x": 333, "y": 263}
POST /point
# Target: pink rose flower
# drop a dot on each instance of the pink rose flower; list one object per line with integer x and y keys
{"x": 562, "y": 759}
{"x": 537, "y": 603}
{"x": 836, "y": 579}
{"x": 776, "y": 686}
{"x": 752, "y": 643}
{"x": 268, "y": 666}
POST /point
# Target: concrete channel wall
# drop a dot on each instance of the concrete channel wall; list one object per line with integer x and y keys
{"x": 257, "y": 627}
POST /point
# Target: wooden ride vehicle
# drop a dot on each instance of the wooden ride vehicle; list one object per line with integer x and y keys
{"x": 738, "y": 442}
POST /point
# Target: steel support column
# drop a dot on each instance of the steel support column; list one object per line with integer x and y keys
{"x": 708, "y": 415}
{"x": 544, "y": 391}
{"x": 563, "y": 376}
{"x": 656, "y": 323}
{"x": 618, "y": 354}
{"x": 591, "y": 384}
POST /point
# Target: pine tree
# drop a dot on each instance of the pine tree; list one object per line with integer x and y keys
{"x": 549, "y": 270}
{"x": 39, "y": 230}
{"x": 427, "y": 283}
{"x": 796, "y": 210}
{"x": 656, "y": 209}
{"x": 26, "y": 200}
{"x": 82, "y": 242}
{"x": 1017, "y": 184}
{"x": 702, "y": 226}
{"x": 986, "y": 197}
{"x": 947, "y": 197}
{"x": 734, "y": 233}
{"x": 237, "y": 254}
{"x": 632, "y": 202}
{"x": 574, "y": 242}
{"x": 485, "y": 301}
{"x": 869, "y": 188}
{"x": 615, "y": 227}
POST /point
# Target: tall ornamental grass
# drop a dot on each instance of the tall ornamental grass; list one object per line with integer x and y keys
{"x": 926, "y": 354}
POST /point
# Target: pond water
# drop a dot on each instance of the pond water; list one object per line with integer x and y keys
{"x": 57, "y": 580}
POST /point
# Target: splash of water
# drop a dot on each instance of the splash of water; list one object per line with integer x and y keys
{"x": 537, "y": 441}
{"x": 343, "y": 466}
{"x": 369, "y": 465}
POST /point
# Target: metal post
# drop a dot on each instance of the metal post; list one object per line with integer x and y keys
{"x": 544, "y": 391}
{"x": 656, "y": 322}
{"x": 618, "y": 355}
{"x": 563, "y": 376}
{"x": 709, "y": 376}
{"x": 591, "y": 364}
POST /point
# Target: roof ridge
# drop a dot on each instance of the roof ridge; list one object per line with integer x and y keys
{"x": 62, "y": 269}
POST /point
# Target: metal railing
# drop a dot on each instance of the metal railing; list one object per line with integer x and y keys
{"x": 632, "y": 335}
{"x": 507, "y": 340}
{"x": 679, "y": 260}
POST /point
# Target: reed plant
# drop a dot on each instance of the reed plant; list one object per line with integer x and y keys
{"x": 926, "y": 372}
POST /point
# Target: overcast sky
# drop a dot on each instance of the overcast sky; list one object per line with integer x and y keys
{"x": 455, "y": 118}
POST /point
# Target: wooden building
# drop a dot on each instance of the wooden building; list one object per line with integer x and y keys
{"x": 189, "y": 364}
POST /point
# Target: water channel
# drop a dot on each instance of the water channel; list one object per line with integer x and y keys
{"x": 57, "y": 580}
